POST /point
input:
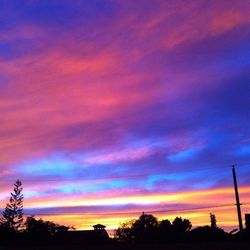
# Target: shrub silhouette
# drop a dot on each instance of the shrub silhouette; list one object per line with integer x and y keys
{"x": 40, "y": 226}
{"x": 208, "y": 233}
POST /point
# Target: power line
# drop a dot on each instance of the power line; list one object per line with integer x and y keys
{"x": 139, "y": 211}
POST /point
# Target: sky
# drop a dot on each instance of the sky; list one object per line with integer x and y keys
{"x": 110, "y": 108}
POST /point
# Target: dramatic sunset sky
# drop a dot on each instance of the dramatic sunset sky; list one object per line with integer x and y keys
{"x": 113, "y": 107}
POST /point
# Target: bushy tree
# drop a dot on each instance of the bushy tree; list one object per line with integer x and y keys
{"x": 142, "y": 230}
{"x": 165, "y": 225}
{"x": 180, "y": 227}
{"x": 145, "y": 228}
{"x": 41, "y": 227}
{"x": 207, "y": 233}
{"x": 165, "y": 231}
{"x": 145, "y": 221}
{"x": 124, "y": 232}
{"x": 12, "y": 216}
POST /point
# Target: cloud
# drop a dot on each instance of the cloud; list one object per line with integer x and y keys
{"x": 117, "y": 101}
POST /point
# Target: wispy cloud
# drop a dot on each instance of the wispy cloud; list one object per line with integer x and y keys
{"x": 112, "y": 103}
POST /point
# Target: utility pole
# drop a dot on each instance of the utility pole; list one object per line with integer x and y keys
{"x": 237, "y": 199}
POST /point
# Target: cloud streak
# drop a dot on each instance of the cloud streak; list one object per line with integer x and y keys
{"x": 120, "y": 103}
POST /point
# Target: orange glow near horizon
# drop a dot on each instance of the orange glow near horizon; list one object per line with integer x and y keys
{"x": 195, "y": 205}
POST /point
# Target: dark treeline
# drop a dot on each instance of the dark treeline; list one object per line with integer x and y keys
{"x": 147, "y": 229}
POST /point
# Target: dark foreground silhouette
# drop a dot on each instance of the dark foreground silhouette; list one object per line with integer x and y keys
{"x": 144, "y": 233}
{"x": 177, "y": 246}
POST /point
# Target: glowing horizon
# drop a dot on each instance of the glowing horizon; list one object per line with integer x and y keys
{"x": 111, "y": 108}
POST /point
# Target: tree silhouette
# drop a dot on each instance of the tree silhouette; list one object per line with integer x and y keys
{"x": 180, "y": 227}
{"x": 145, "y": 222}
{"x": 145, "y": 228}
{"x": 165, "y": 231}
{"x": 142, "y": 230}
{"x": 124, "y": 233}
{"x": 213, "y": 221}
{"x": 40, "y": 226}
{"x": 165, "y": 225}
{"x": 207, "y": 233}
{"x": 12, "y": 216}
